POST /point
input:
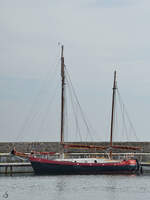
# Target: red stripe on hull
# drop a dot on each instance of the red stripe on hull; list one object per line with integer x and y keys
{"x": 121, "y": 163}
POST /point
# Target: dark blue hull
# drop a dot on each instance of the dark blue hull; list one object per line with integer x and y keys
{"x": 49, "y": 168}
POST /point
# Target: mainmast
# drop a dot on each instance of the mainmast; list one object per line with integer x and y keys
{"x": 112, "y": 114}
{"x": 62, "y": 96}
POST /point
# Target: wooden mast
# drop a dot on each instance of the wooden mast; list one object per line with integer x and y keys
{"x": 62, "y": 95}
{"x": 112, "y": 114}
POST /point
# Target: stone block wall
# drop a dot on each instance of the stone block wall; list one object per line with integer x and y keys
{"x": 6, "y": 147}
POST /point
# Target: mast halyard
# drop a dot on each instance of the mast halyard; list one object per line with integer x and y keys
{"x": 62, "y": 95}
{"x": 112, "y": 114}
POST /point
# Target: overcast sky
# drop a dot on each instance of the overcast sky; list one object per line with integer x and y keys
{"x": 99, "y": 36}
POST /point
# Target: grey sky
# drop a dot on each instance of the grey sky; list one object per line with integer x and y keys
{"x": 99, "y": 36}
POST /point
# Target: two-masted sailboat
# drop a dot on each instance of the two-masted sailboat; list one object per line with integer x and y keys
{"x": 59, "y": 164}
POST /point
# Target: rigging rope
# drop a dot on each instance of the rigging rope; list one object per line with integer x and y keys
{"x": 127, "y": 115}
{"x": 74, "y": 109}
{"x": 30, "y": 117}
{"x": 48, "y": 108}
{"x": 79, "y": 106}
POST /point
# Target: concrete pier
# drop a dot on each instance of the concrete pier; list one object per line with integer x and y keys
{"x": 11, "y": 164}
{"x": 11, "y": 168}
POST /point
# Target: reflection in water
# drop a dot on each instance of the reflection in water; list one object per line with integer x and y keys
{"x": 60, "y": 187}
{"x": 76, "y": 187}
{"x": 110, "y": 187}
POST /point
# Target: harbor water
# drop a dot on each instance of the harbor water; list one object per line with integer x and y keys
{"x": 84, "y": 187}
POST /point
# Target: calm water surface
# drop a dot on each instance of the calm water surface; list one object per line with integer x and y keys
{"x": 26, "y": 187}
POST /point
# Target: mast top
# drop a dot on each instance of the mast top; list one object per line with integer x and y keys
{"x": 62, "y": 50}
{"x": 115, "y": 78}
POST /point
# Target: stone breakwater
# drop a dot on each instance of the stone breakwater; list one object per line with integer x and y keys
{"x": 6, "y": 147}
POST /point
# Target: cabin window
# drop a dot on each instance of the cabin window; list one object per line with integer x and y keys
{"x": 95, "y": 161}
